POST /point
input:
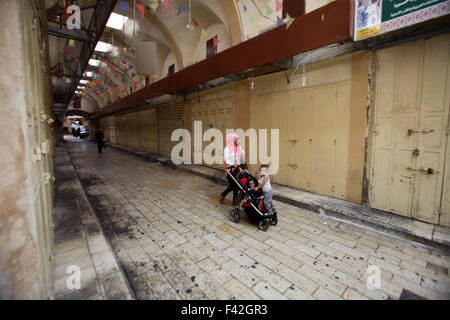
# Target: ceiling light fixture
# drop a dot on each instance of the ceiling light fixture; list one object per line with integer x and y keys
{"x": 303, "y": 77}
{"x": 190, "y": 26}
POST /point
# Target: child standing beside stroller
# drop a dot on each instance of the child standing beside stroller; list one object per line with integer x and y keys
{"x": 264, "y": 185}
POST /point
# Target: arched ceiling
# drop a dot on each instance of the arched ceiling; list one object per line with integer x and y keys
{"x": 169, "y": 28}
{"x": 174, "y": 43}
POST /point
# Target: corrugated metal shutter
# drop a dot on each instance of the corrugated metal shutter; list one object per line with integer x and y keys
{"x": 170, "y": 117}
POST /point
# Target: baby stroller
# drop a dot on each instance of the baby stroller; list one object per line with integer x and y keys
{"x": 252, "y": 206}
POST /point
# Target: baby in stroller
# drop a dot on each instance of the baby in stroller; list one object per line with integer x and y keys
{"x": 250, "y": 189}
{"x": 251, "y": 201}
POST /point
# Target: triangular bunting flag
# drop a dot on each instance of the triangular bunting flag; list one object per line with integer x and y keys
{"x": 289, "y": 20}
{"x": 268, "y": 11}
{"x": 181, "y": 9}
{"x": 72, "y": 43}
{"x": 252, "y": 19}
{"x": 130, "y": 67}
{"x": 123, "y": 6}
{"x": 216, "y": 42}
{"x": 125, "y": 70}
{"x": 204, "y": 34}
{"x": 166, "y": 3}
{"x": 133, "y": 75}
{"x": 154, "y": 5}
{"x": 279, "y": 21}
{"x": 245, "y": 8}
{"x": 195, "y": 22}
{"x": 141, "y": 9}
{"x": 278, "y": 5}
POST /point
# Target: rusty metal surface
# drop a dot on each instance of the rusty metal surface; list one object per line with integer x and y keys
{"x": 324, "y": 26}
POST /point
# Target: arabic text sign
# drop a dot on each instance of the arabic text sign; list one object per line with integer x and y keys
{"x": 373, "y": 17}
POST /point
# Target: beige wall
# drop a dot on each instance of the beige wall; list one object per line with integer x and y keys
{"x": 333, "y": 164}
{"x": 321, "y": 125}
{"x": 26, "y": 144}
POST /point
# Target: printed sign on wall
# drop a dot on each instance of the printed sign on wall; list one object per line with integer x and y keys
{"x": 373, "y": 17}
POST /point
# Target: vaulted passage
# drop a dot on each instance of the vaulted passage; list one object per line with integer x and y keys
{"x": 224, "y": 149}
{"x": 174, "y": 240}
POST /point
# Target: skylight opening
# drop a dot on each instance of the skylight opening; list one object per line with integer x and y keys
{"x": 116, "y": 21}
{"x": 102, "y": 46}
{"x": 95, "y": 63}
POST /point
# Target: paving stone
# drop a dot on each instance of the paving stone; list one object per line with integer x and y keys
{"x": 265, "y": 291}
{"x": 240, "y": 291}
{"x": 303, "y": 248}
{"x": 175, "y": 245}
{"x": 323, "y": 280}
{"x": 260, "y": 257}
{"x": 114, "y": 287}
{"x": 349, "y": 250}
{"x": 212, "y": 289}
{"x": 241, "y": 273}
{"x": 351, "y": 294}
{"x": 358, "y": 287}
{"x": 298, "y": 279}
{"x": 277, "y": 282}
{"x": 215, "y": 271}
{"x": 324, "y": 294}
{"x": 183, "y": 285}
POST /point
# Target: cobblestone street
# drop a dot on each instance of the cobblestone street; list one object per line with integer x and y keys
{"x": 174, "y": 240}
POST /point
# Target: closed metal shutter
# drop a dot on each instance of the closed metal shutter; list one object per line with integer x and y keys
{"x": 170, "y": 117}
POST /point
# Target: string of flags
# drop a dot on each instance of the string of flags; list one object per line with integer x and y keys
{"x": 129, "y": 81}
{"x": 269, "y": 11}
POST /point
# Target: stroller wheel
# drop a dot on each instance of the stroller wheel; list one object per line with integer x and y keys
{"x": 235, "y": 215}
{"x": 274, "y": 221}
{"x": 263, "y": 225}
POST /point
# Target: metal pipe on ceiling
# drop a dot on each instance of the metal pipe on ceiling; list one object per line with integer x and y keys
{"x": 58, "y": 32}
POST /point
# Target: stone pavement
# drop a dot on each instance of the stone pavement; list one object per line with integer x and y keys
{"x": 175, "y": 241}
{"x": 79, "y": 242}
{"x": 396, "y": 225}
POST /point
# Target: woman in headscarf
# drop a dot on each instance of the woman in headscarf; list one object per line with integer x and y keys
{"x": 234, "y": 156}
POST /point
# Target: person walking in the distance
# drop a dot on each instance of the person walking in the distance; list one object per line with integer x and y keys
{"x": 99, "y": 138}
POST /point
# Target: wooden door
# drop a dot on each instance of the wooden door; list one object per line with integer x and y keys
{"x": 323, "y": 139}
{"x": 410, "y": 133}
{"x": 299, "y": 141}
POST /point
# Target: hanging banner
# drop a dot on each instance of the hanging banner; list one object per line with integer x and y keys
{"x": 374, "y": 17}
